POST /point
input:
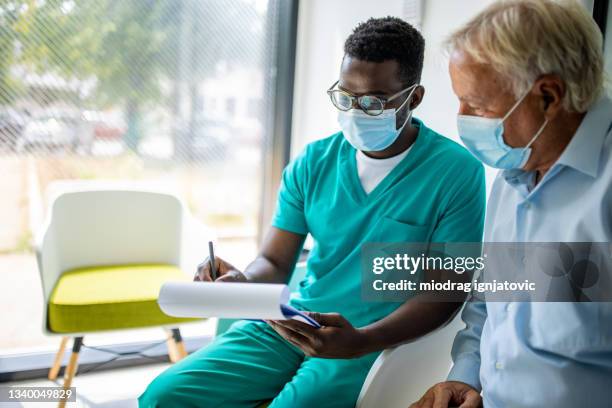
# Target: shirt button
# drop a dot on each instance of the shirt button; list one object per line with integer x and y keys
{"x": 527, "y": 205}
{"x": 499, "y": 365}
{"x": 508, "y": 307}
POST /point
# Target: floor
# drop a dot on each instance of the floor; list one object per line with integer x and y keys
{"x": 116, "y": 388}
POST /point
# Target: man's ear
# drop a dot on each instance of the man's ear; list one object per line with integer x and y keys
{"x": 551, "y": 89}
{"x": 417, "y": 97}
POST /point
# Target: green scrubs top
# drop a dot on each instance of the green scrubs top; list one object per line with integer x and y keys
{"x": 435, "y": 194}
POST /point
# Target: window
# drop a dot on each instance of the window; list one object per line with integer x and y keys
{"x": 139, "y": 91}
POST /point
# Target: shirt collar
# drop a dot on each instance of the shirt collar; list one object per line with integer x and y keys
{"x": 521, "y": 180}
{"x": 583, "y": 153}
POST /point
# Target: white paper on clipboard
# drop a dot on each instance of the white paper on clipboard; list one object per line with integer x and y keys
{"x": 229, "y": 301}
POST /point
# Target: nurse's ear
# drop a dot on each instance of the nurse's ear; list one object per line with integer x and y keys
{"x": 551, "y": 90}
{"x": 417, "y": 97}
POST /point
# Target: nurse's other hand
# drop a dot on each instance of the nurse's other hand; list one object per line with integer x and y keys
{"x": 337, "y": 338}
{"x": 226, "y": 272}
{"x": 450, "y": 394}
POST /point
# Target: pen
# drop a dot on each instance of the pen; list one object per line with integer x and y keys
{"x": 211, "y": 260}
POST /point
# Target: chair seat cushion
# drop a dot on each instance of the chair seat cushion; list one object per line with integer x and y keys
{"x": 110, "y": 298}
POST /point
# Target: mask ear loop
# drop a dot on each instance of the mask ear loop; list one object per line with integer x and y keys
{"x": 408, "y": 117}
{"x": 539, "y": 130}
{"x": 414, "y": 87}
{"x": 516, "y": 104}
{"x": 533, "y": 139}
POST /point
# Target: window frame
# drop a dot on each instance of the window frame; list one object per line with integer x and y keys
{"x": 600, "y": 15}
{"x": 277, "y": 149}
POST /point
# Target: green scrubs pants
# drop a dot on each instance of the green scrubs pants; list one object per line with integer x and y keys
{"x": 250, "y": 364}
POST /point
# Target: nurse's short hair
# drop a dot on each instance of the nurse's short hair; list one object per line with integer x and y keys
{"x": 524, "y": 39}
{"x": 389, "y": 38}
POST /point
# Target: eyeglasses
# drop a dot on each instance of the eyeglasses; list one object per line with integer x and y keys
{"x": 370, "y": 104}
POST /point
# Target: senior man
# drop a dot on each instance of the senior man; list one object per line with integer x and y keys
{"x": 529, "y": 78}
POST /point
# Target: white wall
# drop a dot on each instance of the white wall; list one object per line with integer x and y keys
{"x": 323, "y": 27}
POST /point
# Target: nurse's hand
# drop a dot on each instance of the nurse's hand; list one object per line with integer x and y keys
{"x": 226, "y": 272}
{"x": 337, "y": 338}
{"x": 450, "y": 394}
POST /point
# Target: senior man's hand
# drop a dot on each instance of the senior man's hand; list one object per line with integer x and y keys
{"x": 337, "y": 338}
{"x": 450, "y": 394}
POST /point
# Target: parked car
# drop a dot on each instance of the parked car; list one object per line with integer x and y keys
{"x": 106, "y": 126}
{"x": 50, "y": 132}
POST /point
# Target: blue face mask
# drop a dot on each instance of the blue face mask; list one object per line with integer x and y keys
{"x": 483, "y": 137}
{"x": 372, "y": 133}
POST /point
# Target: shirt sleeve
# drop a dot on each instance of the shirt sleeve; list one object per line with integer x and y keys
{"x": 289, "y": 214}
{"x": 463, "y": 217}
{"x": 466, "y": 347}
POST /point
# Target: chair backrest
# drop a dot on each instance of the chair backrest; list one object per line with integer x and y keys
{"x": 401, "y": 375}
{"x": 109, "y": 227}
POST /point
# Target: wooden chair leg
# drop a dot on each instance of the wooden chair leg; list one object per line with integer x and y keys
{"x": 172, "y": 352}
{"x": 180, "y": 346}
{"x": 57, "y": 364}
{"x": 176, "y": 348}
{"x": 72, "y": 366}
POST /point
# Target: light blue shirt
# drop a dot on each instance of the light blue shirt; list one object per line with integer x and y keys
{"x": 546, "y": 354}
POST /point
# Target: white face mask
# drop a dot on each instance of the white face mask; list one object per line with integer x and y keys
{"x": 372, "y": 133}
{"x": 483, "y": 137}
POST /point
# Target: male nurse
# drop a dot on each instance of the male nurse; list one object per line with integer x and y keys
{"x": 386, "y": 177}
{"x": 529, "y": 78}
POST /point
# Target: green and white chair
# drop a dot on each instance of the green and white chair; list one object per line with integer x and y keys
{"x": 103, "y": 256}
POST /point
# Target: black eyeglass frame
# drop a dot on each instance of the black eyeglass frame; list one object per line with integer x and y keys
{"x": 356, "y": 100}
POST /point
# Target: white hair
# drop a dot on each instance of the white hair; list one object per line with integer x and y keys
{"x": 524, "y": 39}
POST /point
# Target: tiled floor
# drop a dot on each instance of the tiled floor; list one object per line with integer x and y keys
{"x": 116, "y": 388}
